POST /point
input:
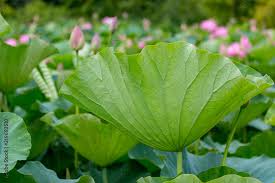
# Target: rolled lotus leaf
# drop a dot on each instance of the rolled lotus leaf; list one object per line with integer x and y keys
{"x": 97, "y": 141}
{"x": 16, "y": 63}
{"x": 167, "y": 96}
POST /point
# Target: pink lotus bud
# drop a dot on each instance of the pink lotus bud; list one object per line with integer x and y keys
{"x": 24, "y": 38}
{"x": 141, "y": 44}
{"x": 208, "y": 25}
{"x": 111, "y": 22}
{"x": 86, "y": 26}
{"x": 11, "y": 42}
{"x": 245, "y": 43}
{"x": 146, "y": 24}
{"x": 95, "y": 43}
{"x": 77, "y": 39}
{"x": 219, "y": 32}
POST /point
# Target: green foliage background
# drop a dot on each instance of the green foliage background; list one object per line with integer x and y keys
{"x": 169, "y": 11}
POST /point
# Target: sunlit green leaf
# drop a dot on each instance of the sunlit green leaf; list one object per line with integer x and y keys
{"x": 167, "y": 96}
{"x": 16, "y": 63}
{"x": 262, "y": 143}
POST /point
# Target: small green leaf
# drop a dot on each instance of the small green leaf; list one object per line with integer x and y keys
{"x": 147, "y": 156}
{"x": 220, "y": 171}
{"x": 259, "y": 145}
{"x": 18, "y": 141}
{"x": 42, "y": 135}
{"x": 43, "y": 175}
{"x": 93, "y": 139}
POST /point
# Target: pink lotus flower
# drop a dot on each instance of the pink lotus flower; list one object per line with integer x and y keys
{"x": 77, "y": 39}
{"x": 245, "y": 43}
{"x": 111, "y": 22}
{"x": 86, "y": 26}
{"x": 209, "y": 25}
{"x": 233, "y": 49}
{"x": 219, "y": 32}
{"x": 11, "y": 42}
{"x": 24, "y": 38}
{"x": 95, "y": 42}
{"x": 141, "y": 44}
{"x": 237, "y": 49}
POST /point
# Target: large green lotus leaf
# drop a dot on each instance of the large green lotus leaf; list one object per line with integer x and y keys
{"x": 167, "y": 96}
{"x": 4, "y": 26}
{"x": 189, "y": 178}
{"x": 16, "y": 63}
{"x": 19, "y": 140}
{"x": 262, "y": 143}
{"x": 97, "y": 141}
{"x": 43, "y": 175}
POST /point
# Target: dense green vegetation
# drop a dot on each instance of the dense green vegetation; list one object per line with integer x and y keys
{"x": 130, "y": 99}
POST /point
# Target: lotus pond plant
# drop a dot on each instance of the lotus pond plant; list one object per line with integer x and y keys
{"x": 166, "y": 97}
{"x": 123, "y": 101}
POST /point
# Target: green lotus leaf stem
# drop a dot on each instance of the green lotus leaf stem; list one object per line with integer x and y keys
{"x": 104, "y": 175}
{"x": 179, "y": 163}
{"x": 231, "y": 136}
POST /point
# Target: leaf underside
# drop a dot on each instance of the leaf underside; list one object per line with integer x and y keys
{"x": 167, "y": 96}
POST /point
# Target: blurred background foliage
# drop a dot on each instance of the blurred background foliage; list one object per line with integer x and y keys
{"x": 169, "y": 11}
